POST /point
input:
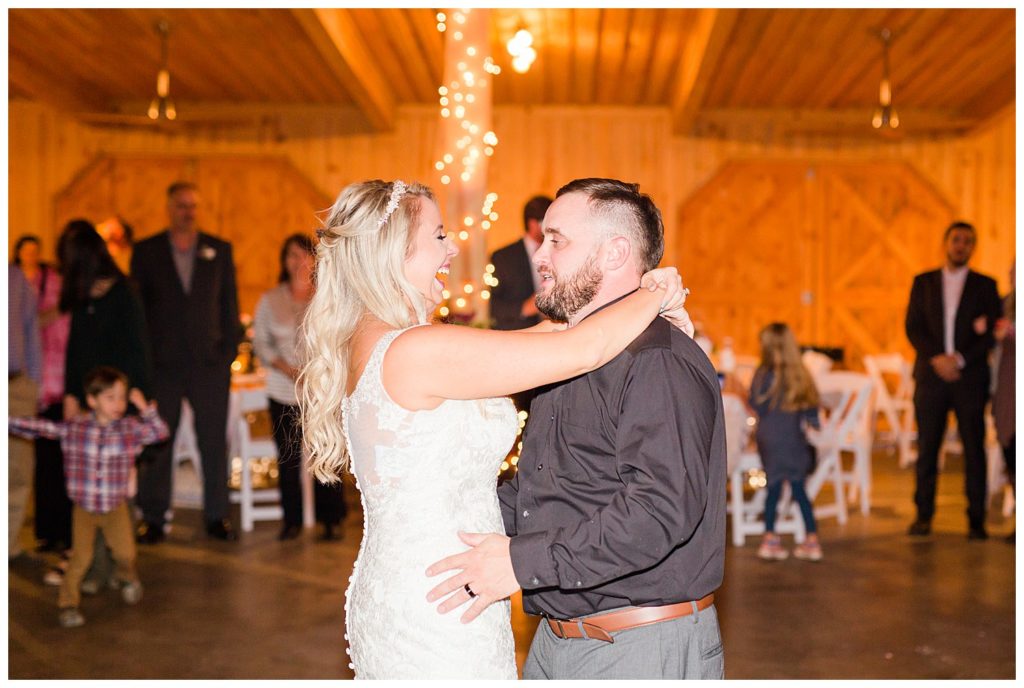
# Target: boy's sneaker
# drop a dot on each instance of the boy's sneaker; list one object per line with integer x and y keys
{"x": 131, "y": 593}
{"x": 71, "y": 617}
{"x": 808, "y": 551}
{"x": 771, "y": 549}
{"x": 54, "y": 576}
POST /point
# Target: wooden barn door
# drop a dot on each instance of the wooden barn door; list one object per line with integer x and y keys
{"x": 830, "y": 249}
{"x": 252, "y": 202}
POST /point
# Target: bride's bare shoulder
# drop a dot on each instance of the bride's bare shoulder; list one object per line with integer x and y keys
{"x": 365, "y": 337}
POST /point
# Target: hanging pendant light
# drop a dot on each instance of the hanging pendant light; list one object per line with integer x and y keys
{"x": 162, "y": 106}
{"x": 885, "y": 114}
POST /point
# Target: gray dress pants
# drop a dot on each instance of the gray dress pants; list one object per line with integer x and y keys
{"x": 689, "y": 647}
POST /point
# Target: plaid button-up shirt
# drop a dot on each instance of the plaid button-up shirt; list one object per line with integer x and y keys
{"x": 97, "y": 458}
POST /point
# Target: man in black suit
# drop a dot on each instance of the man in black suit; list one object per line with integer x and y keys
{"x": 187, "y": 282}
{"x": 512, "y": 303}
{"x": 949, "y": 322}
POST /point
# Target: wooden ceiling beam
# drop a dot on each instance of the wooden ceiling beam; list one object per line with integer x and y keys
{"x": 336, "y": 37}
{"x": 700, "y": 57}
{"x": 770, "y": 123}
{"x": 42, "y": 84}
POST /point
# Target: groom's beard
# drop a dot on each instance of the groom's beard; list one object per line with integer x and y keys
{"x": 568, "y": 297}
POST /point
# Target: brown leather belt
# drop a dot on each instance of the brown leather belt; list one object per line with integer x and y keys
{"x": 600, "y": 626}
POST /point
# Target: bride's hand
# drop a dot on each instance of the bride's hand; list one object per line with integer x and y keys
{"x": 667, "y": 278}
{"x": 680, "y": 319}
{"x": 675, "y": 296}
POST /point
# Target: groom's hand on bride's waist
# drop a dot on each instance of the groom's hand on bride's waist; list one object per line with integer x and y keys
{"x": 485, "y": 569}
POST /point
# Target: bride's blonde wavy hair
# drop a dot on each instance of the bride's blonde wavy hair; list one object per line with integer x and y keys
{"x": 359, "y": 270}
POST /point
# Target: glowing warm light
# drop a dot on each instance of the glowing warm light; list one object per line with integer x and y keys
{"x": 442, "y": 90}
{"x": 448, "y": 158}
{"x": 445, "y": 179}
{"x": 504, "y": 465}
{"x": 460, "y": 302}
{"x": 445, "y": 112}
{"x": 438, "y": 165}
{"x": 514, "y": 460}
{"x": 484, "y": 294}
{"x": 489, "y": 268}
{"x": 471, "y": 51}
{"x": 463, "y": 235}
{"x": 468, "y": 288}
{"x": 468, "y": 220}
{"x": 465, "y": 176}
{"x": 444, "y": 311}
{"x": 486, "y": 224}
{"x": 493, "y": 217}
{"x": 441, "y": 17}
{"x": 457, "y": 35}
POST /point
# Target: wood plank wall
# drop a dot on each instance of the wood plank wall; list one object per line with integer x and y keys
{"x": 539, "y": 149}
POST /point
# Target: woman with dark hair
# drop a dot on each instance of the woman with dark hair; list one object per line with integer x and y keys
{"x": 276, "y": 323}
{"x": 53, "y": 508}
{"x": 107, "y": 322}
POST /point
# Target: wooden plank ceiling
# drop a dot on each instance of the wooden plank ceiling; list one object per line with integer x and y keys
{"x": 717, "y": 71}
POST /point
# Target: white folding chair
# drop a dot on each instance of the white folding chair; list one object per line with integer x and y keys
{"x": 256, "y": 504}
{"x": 847, "y": 395}
{"x": 896, "y": 404}
{"x": 817, "y": 363}
{"x": 741, "y": 460}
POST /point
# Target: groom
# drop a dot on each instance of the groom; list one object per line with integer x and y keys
{"x": 615, "y": 520}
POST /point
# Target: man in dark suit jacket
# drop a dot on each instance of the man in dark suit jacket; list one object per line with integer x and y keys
{"x": 187, "y": 282}
{"x": 512, "y": 304}
{"x": 950, "y": 319}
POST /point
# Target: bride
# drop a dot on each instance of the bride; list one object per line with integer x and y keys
{"x": 417, "y": 412}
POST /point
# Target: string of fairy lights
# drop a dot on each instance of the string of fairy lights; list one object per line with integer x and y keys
{"x": 461, "y": 98}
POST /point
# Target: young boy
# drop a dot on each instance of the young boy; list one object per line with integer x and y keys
{"x": 99, "y": 450}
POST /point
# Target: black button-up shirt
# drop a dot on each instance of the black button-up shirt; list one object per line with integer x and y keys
{"x": 619, "y": 499}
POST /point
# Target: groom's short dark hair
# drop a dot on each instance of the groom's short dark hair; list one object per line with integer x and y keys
{"x": 633, "y": 213}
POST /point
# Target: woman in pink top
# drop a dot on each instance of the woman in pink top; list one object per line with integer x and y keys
{"x": 53, "y": 508}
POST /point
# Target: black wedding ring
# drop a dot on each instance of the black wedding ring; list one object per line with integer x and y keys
{"x": 468, "y": 590}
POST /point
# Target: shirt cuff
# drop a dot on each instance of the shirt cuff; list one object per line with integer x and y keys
{"x": 960, "y": 362}
{"x": 531, "y": 561}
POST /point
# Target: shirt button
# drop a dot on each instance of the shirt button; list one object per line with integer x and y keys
{"x": 540, "y": 467}
{"x": 534, "y": 581}
{"x": 579, "y": 584}
{"x": 526, "y": 513}
{"x": 552, "y": 417}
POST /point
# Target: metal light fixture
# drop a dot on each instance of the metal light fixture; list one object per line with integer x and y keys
{"x": 162, "y": 105}
{"x": 885, "y": 114}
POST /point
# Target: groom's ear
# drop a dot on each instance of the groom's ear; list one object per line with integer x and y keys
{"x": 618, "y": 253}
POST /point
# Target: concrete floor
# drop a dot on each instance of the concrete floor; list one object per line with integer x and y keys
{"x": 879, "y": 606}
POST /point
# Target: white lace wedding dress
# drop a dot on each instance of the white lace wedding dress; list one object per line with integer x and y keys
{"x": 423, "y": 476}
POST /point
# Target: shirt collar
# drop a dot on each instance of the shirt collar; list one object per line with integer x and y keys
{"x": 954, "y": 272}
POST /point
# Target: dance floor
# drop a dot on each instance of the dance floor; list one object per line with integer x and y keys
{"x": 881, "y": 605}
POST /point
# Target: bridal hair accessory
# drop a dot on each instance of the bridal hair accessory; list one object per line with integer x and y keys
{"x": 398, "y": 188}
{"x": 469, "y": 590}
